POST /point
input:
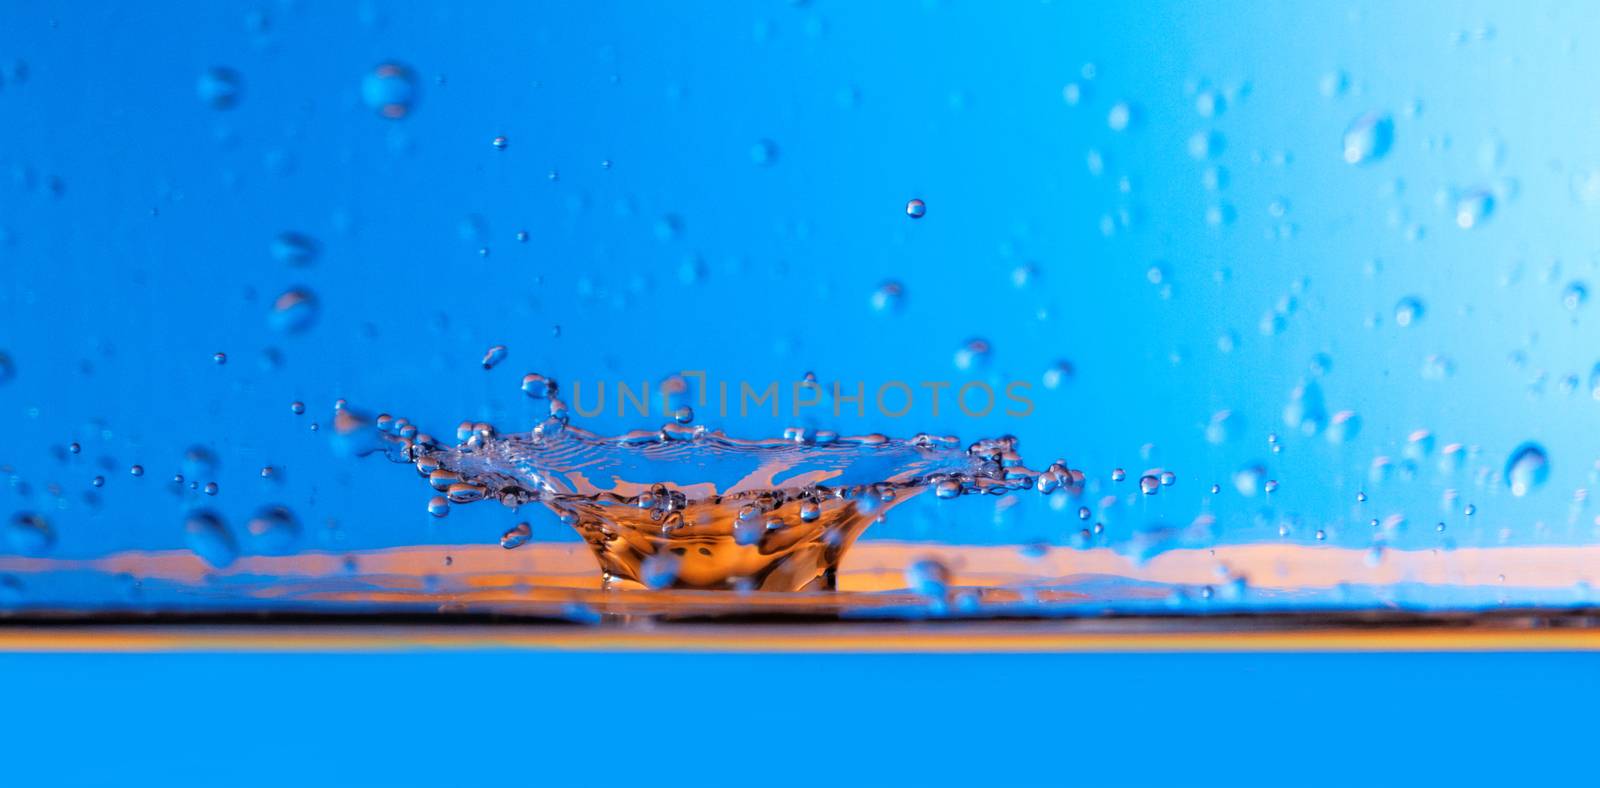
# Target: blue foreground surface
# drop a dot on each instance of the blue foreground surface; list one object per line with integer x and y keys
{"x": 450, "y": 718}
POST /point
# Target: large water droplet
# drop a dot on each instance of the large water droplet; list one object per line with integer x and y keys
{"x": 210, "y": 539}
{"x": 273, "y": 531}
{"x": 390, "y": 90}
{"x": 29, "y": 534}
{"x": 1527, "y": 469}
{"x": 294, "y": 311}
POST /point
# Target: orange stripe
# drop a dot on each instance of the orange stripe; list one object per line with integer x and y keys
{"x": 790, "y": 639}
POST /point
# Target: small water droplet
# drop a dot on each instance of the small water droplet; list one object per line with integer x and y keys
{"x": 764, "y": 153}
{"x": 294, "y": 249}
{"x": 220, "y": 87}
{"x": 889, "y": 297}
{"x": 916, "y": 209}
{"x": 1368, "y": 138}
{"x": 1473, "y": 208}
{"x": 493, "y": 356}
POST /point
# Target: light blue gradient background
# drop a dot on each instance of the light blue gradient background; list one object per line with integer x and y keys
{"x": 113, "y": 311}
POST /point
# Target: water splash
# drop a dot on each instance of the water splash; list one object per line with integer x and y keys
{"x": 687, "y": 507}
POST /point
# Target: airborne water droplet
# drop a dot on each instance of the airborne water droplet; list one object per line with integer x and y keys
{"x": 1473, "y": 208}
{"x": 493, "y": 356}
{"x": 219, "y": 87}
{"x": 29, "y": 534}
{"x": 1409, "y": 310}
{"x": 294, "y": 311}
{"x": 1368, "y": 138}
{"x": 517, "y": 536}
{"x": 916, "y": 209}
{"x": 390, "y": 90}
{"x": 295, "y": 249}
{"x": 210, "y": 539}
{"x": 1527, "y": 469}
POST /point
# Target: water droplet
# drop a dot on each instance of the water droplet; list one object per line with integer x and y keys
{"x": 947, "y": 488}
{"x": 1305, "y": 411}
{"x": 1168, "y": 478}
{"x": 295, "y": 249}
{"x": 209, "y": 538}
{"x": 1527, "y": 469}
{"x": 1368, "y": 138}
{"x": 294, "y": 311}
{"x": 1206, "y": 145}
{"x": 219, "y": 358}
{"x": 1409, "y": 310}
{"x": 136, "y": 470}
{"x": 1120, "y": 117}
{"x": 517, "y": 536}
{"x": 500, "y": 142}
{"x": 1117, "y": 474}
{"x": 1083, "y": 513}
{"x": 929, "y": 578}
{"x": 659, "y": 571}
{"x": 273, "y": 531}
{"x": 493, "y": 356}
{"x": 889, "y": 297}
{"x": 916, "y": 209}
{"x": 1059, "y": 373}
{"x": 764, "y": 153}
{"x": 390, "y": 90}
{"x": 297, "y": 407}
{"x": 1271, "y": 486}
{"x": 1149, "y": 484}
{"x": 1247, "y": 480}
{"x": 29, "y": 534}
{"x": 438, "y": 506}
{"x": 538, "y": 386}
{"x": 1224, "y": 425}
{"x": 1574, "y": 296}
{"x": 1343, "y": 426}
{"x": 211, "y": 488}
{"x": 1473, "y": 208}
{"x": 973, "y": 355}
{"x": 220, "y": 87}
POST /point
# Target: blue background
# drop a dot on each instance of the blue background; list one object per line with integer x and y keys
{"x": 138, "y": 222}
{"x": 451, "y": 719}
